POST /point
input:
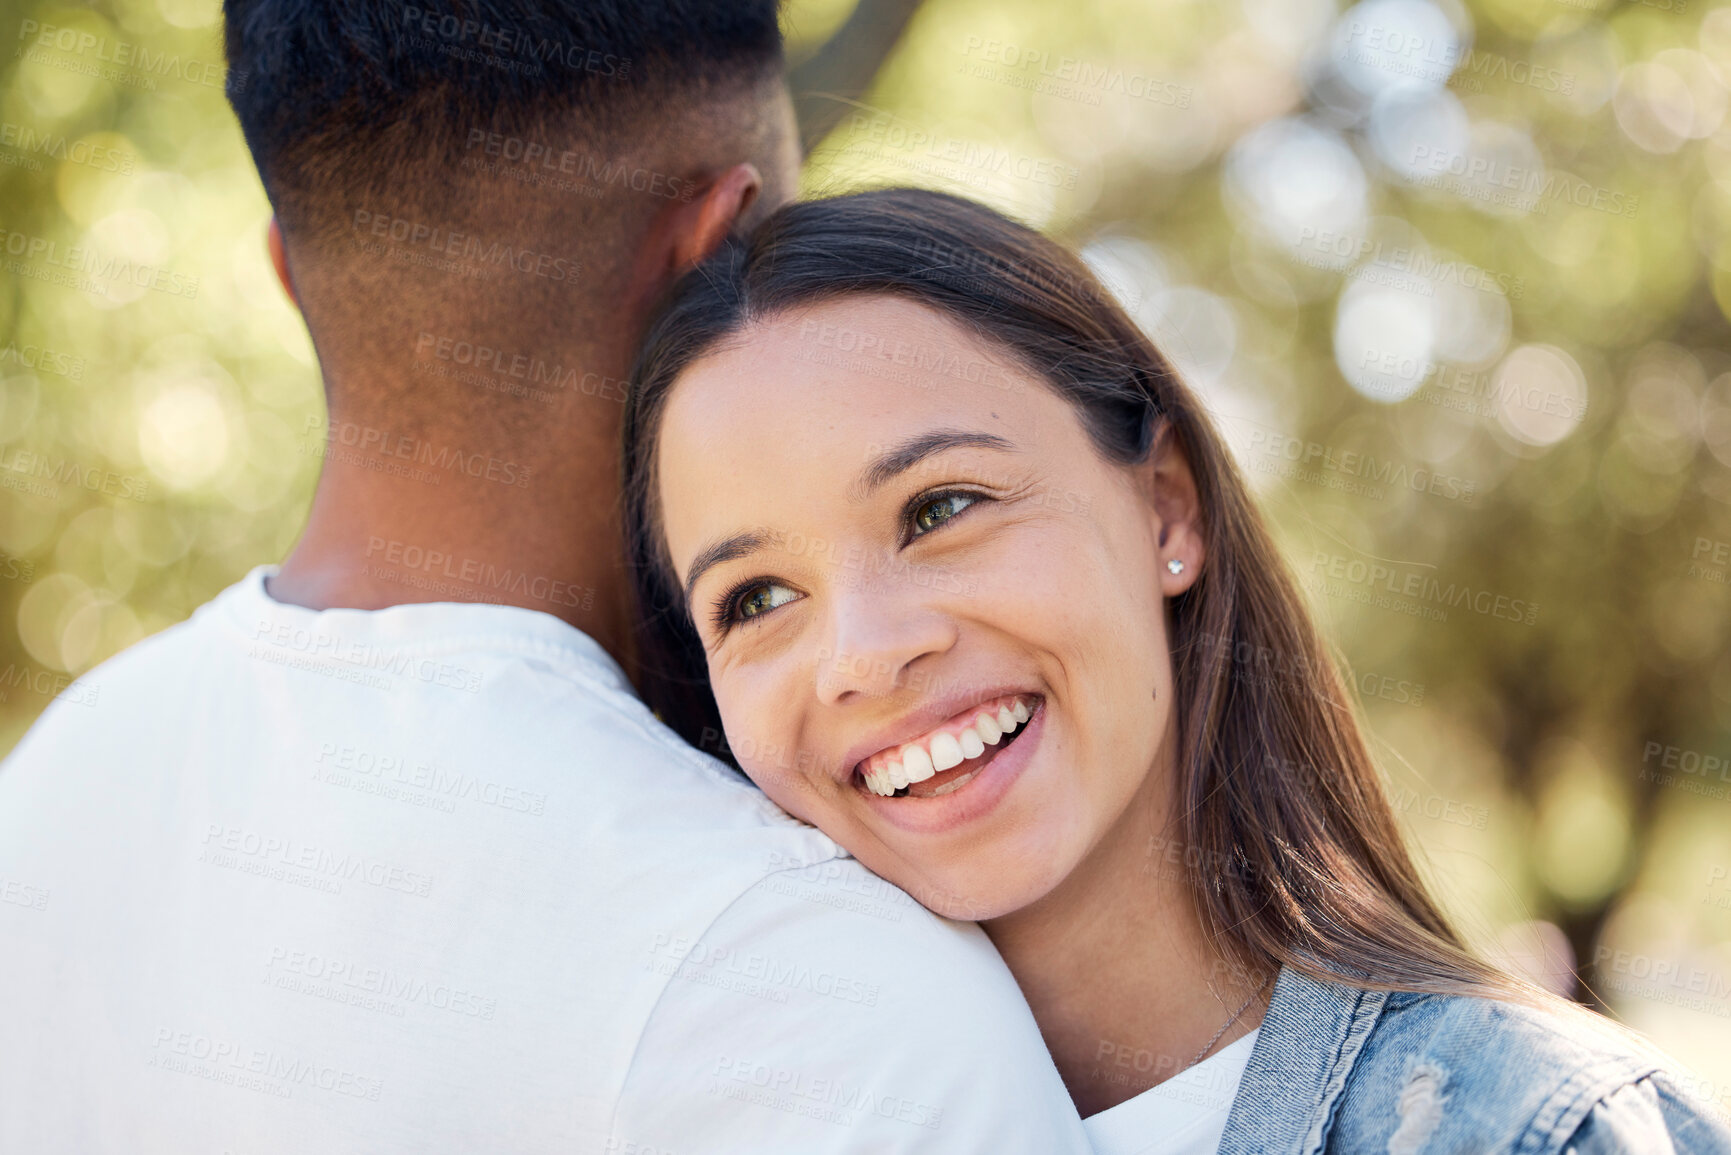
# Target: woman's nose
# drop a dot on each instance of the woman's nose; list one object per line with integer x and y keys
{"x": 876, "y": 642}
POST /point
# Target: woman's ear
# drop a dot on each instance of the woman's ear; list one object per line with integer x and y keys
{"x": 1170, "y": 489}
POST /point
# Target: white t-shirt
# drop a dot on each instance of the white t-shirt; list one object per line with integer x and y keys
{"x": 433, "y": 879}
{"x": 1185, "y": 1115}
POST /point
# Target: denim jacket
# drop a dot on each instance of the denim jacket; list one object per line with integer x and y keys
{"x": 1338, "y": 1069}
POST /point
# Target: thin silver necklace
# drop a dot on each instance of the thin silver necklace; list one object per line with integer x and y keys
{"x": 1226, "y": 1026}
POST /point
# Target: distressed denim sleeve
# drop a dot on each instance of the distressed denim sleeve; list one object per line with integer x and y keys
{"x": 1651, "y": 1117}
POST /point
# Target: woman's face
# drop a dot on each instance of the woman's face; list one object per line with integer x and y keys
{"x": 908, "y": 563}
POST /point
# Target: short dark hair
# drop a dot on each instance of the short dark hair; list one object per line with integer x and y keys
{"x": 343, "y": 99}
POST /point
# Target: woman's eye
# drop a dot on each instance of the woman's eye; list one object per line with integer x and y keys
{"x": 928, "y": 515}
{"x": 762, "y": 598}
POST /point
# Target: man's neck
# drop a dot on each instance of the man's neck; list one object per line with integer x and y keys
{"x": 532, "y": 525}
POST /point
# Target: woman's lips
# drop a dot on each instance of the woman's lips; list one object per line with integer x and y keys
{"x": 939, "y": 759}
{"x": 973, "y": 792}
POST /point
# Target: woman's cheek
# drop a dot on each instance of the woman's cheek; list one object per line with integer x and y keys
{"x": 781, "y": 774}
{"x": 790, "y": 796}
{"x": 745, "y": 693}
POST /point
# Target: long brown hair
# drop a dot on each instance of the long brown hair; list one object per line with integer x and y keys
{"x": 1292, "y": 852}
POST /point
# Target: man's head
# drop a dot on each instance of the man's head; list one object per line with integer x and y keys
{"x": 516, "y": 176}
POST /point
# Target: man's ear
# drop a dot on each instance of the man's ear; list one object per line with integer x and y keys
{"x": 701, "y": 226}
{"x": 279, "y": 261}
{"x": 685, "y": 232}
{"x": 1176, "y": 509}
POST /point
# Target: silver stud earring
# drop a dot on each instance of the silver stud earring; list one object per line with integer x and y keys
{"x": 1175, "y": 566}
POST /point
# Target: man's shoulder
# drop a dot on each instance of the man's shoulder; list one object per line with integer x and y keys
{"x": 834, "y": 1013}
{"x": 154, "y": 669}
{"x": 129, "y": 682}
{"x": 409, "y": 707}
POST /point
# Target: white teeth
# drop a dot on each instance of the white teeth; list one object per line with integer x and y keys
{"x": 918, "y": 763}
{"x": 956, "y": 785}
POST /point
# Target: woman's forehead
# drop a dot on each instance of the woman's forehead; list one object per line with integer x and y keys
{"x": 865, "y": 357}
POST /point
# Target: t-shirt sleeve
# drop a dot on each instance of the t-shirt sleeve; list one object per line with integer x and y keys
{"x": 826, "y": 1012}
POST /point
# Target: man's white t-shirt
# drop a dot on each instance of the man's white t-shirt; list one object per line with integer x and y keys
{"x": 1185, "y": 1115}
{"x": 432, "y": 878}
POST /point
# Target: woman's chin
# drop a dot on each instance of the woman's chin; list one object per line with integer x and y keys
{"x": 991, "y": 887}
{"x": 1026, "y": 853}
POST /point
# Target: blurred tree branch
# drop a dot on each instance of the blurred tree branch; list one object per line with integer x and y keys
{"x": 825, "y": 85}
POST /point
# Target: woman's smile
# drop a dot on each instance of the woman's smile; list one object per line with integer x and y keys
{"x": 946, "y": 757}
{"x": 973, "y": 788}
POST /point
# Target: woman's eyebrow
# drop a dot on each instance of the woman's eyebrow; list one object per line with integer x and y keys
{"x": 904, "y": 455}
{"x": 727, "y": 549}
{"x": 897, "y": 459}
